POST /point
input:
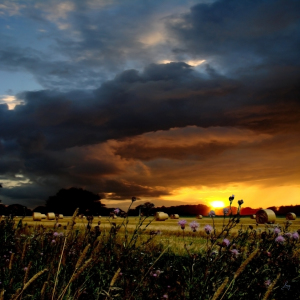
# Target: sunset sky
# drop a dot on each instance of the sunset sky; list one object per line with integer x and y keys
{"x": 172, "y": 101}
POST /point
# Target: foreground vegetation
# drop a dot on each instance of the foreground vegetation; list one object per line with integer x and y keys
{"x": 121, "y": 260}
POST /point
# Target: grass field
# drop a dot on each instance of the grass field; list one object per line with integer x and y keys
{"x": 103, "y": 260}
{"x": 170, "y": 232}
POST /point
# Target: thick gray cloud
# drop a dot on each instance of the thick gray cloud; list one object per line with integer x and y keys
{"x": 149, "y": 128}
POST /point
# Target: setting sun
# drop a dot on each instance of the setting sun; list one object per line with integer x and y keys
{"x": 217, "y": 204}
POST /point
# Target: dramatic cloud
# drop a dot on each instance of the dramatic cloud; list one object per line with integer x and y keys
{"x": 160, "y": 101}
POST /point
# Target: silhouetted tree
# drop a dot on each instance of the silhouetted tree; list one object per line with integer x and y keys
{"x": 67, "y": 200}
{"x": 18, "y": 210}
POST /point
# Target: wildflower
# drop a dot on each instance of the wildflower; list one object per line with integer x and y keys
{"x": 234, "y": 252}
{"x": 42, "y": 253}
{"x": 53, "y": 241}
{"x": 295, "y": 236}
{"x": 194, "y": 225}
{"x": 61, "y": 234}
{"x": 225, "y": 242}
{"x": 55, "y": 234}
{"x": 208, "y": 229}
{"x": 240, "y": 202}
{"x": 280, "y": 239}
{"x": 133, "y": 199}
{"x": 182, "y": 223}
{"x": 211, "y": 213}
{"x": 165, "y": 296}
{"x": 116, "y": 211}
{"x": 277, "y": 230}
{"x": 267, "y": 282}
{"x": 288, "y": 235}
{"x": 25, "y": 269}
{"x": 225, "y": 211}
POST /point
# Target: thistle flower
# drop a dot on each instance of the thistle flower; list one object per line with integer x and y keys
{"x": 194, "y": 225}
{"x": 234, "y": 252}
{"x": 225, "y": 242}
{"x": 240, "y": 202}
{"x": 267, "y": 282}
{"x": 231, "y": 198}
{"x": 133, "y": 199}
{"x": 116, "y": 211}
{"x": 182, "y": 223}
{"x": 55, "y": 234}
{"x": 225, "y": 211}
{"x": 288, "y": 235}
{"x": 277, "y": 230}
{"x": 295, "y": 236}
{"x": 208, "y": 229}
{"x": 212, "y": 213}
{"x": 280, "y": 239}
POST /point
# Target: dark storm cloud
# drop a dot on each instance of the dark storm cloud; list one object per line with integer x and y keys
{"x": 150, "y": 130}
{"x": 241, "y": 34}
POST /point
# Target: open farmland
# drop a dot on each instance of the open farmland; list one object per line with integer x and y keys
{"x": 170, "y": 232}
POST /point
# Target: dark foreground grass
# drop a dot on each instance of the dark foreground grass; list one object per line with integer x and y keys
{"x": 117, "y": 263}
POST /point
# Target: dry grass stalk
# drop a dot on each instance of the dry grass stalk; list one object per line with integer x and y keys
{"x": 245, "y": 263}
{"x": 270, "y": 288}
{"x": 24, "y": 251}
{"x": 44, "y": 289}
{"x": 241, "y": 269}
{"x": 16, "y": 294}
{"x": 2, "y": 294}
{"x": 80, "y": 270}
{"x": 32, "y": 279}
{"x": 69, "y": 228}
{"x": 19, "y": 292}
{"x": 220, "y": 289}
{"x": 27, "y": 272}
{"x": 11, "y": 261}
{"x": 115, "y": 277}
{"x": 11, "y": 282}
{"x": 75, "y": 276}
{"x": 82, "y": 256}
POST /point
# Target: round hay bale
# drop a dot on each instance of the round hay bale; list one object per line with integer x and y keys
{"x": 43, "y": 216}
{"x": 60, "y": 216}
{"x": 253, "y": 217}
{"x": 199, "y": 216}
{"x": 291, "y": 216}
{"x": 174, "y": 216}
{"x": 161, "y": 216}
{"x": 51, "y": 216}
{"x": 36, "y": 216}
{"x": 264, "y": 216}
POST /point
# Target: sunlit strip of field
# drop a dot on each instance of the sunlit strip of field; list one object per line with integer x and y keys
{"x": 170, "y": 233}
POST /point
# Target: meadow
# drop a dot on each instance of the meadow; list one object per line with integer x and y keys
{"x": 228, "y": 257}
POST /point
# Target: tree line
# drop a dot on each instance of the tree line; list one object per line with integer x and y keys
{"x": 67, "y": 200}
